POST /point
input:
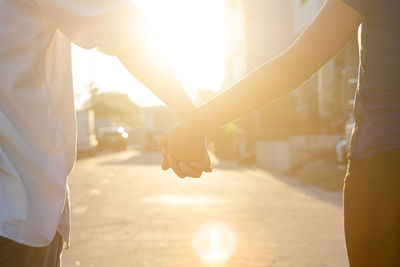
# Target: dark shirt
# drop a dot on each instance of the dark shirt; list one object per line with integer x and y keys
{"x": 377, "y": 101}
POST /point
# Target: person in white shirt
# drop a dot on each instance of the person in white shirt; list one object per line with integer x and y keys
{"x": 37, "y": 118}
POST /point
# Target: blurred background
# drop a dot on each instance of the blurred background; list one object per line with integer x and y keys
{"x": 274, "y": 198}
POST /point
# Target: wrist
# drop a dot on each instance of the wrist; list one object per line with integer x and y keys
{"x": 185, "y": 111}
{"x": 193, "y": 125}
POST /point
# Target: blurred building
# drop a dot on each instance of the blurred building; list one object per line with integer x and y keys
{"x": 303, "y": 11}
{"x": 258, "y": 30}
{"x": 334, "y": 83}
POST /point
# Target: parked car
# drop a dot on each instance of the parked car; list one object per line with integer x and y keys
{"x": 113, "y": 138}
{"x": 86, "y": 140}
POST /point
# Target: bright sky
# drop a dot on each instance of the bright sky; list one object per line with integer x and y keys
{"x": 189, "y": 34}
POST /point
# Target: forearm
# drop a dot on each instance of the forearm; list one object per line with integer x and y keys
{"x": 323, "y": 38}
{"x": 261, "y": 87}
{"x": 145, "y": 63}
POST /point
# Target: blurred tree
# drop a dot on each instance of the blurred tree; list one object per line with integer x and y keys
{"x": 111, "y": 104}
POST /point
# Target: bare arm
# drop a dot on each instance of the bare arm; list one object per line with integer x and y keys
{"x": 322, "y": 39}
{"x": 144, "y": 62}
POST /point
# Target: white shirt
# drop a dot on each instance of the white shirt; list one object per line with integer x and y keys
{"x": 37, "y": 117}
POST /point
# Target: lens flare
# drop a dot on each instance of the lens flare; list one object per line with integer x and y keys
{"x": 215, "y": 243}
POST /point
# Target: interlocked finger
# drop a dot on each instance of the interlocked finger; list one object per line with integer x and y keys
{"x": 189, "y": 171}
{"x": 175, "y": 166}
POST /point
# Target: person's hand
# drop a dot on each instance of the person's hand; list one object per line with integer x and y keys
{"x": 183, "y": 169}
{"x": 185, "y": 153}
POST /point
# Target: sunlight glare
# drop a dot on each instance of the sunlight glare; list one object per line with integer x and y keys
{"x": 215, "y": 243}
{"x": 190, "y": 35}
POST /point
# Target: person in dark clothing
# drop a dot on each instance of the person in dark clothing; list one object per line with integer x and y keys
{"x": 372, "y": 184}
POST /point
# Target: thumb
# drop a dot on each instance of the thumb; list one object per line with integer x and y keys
{"x": 164, "y": 164}
{"x": 203, "y": 165}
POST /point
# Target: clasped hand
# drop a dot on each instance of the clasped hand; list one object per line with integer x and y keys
{"x": 184, "y": 152}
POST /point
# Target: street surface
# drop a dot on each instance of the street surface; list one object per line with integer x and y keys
{"x": 127, "y": 212}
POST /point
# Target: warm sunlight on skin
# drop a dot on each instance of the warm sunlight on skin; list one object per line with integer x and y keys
{"x": 215, "y": 244}
{"x": 188, "y": 33}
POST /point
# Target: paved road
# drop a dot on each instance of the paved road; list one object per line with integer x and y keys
{"x": 127, "y": 212}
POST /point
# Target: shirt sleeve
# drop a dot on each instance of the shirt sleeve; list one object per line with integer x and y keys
{"x": 362, "y": 6}
{"x": 109, "y": 25}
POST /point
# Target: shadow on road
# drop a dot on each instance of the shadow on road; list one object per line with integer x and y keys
{"x": 154, "y": 158}
{"x": 334, "y": 198}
